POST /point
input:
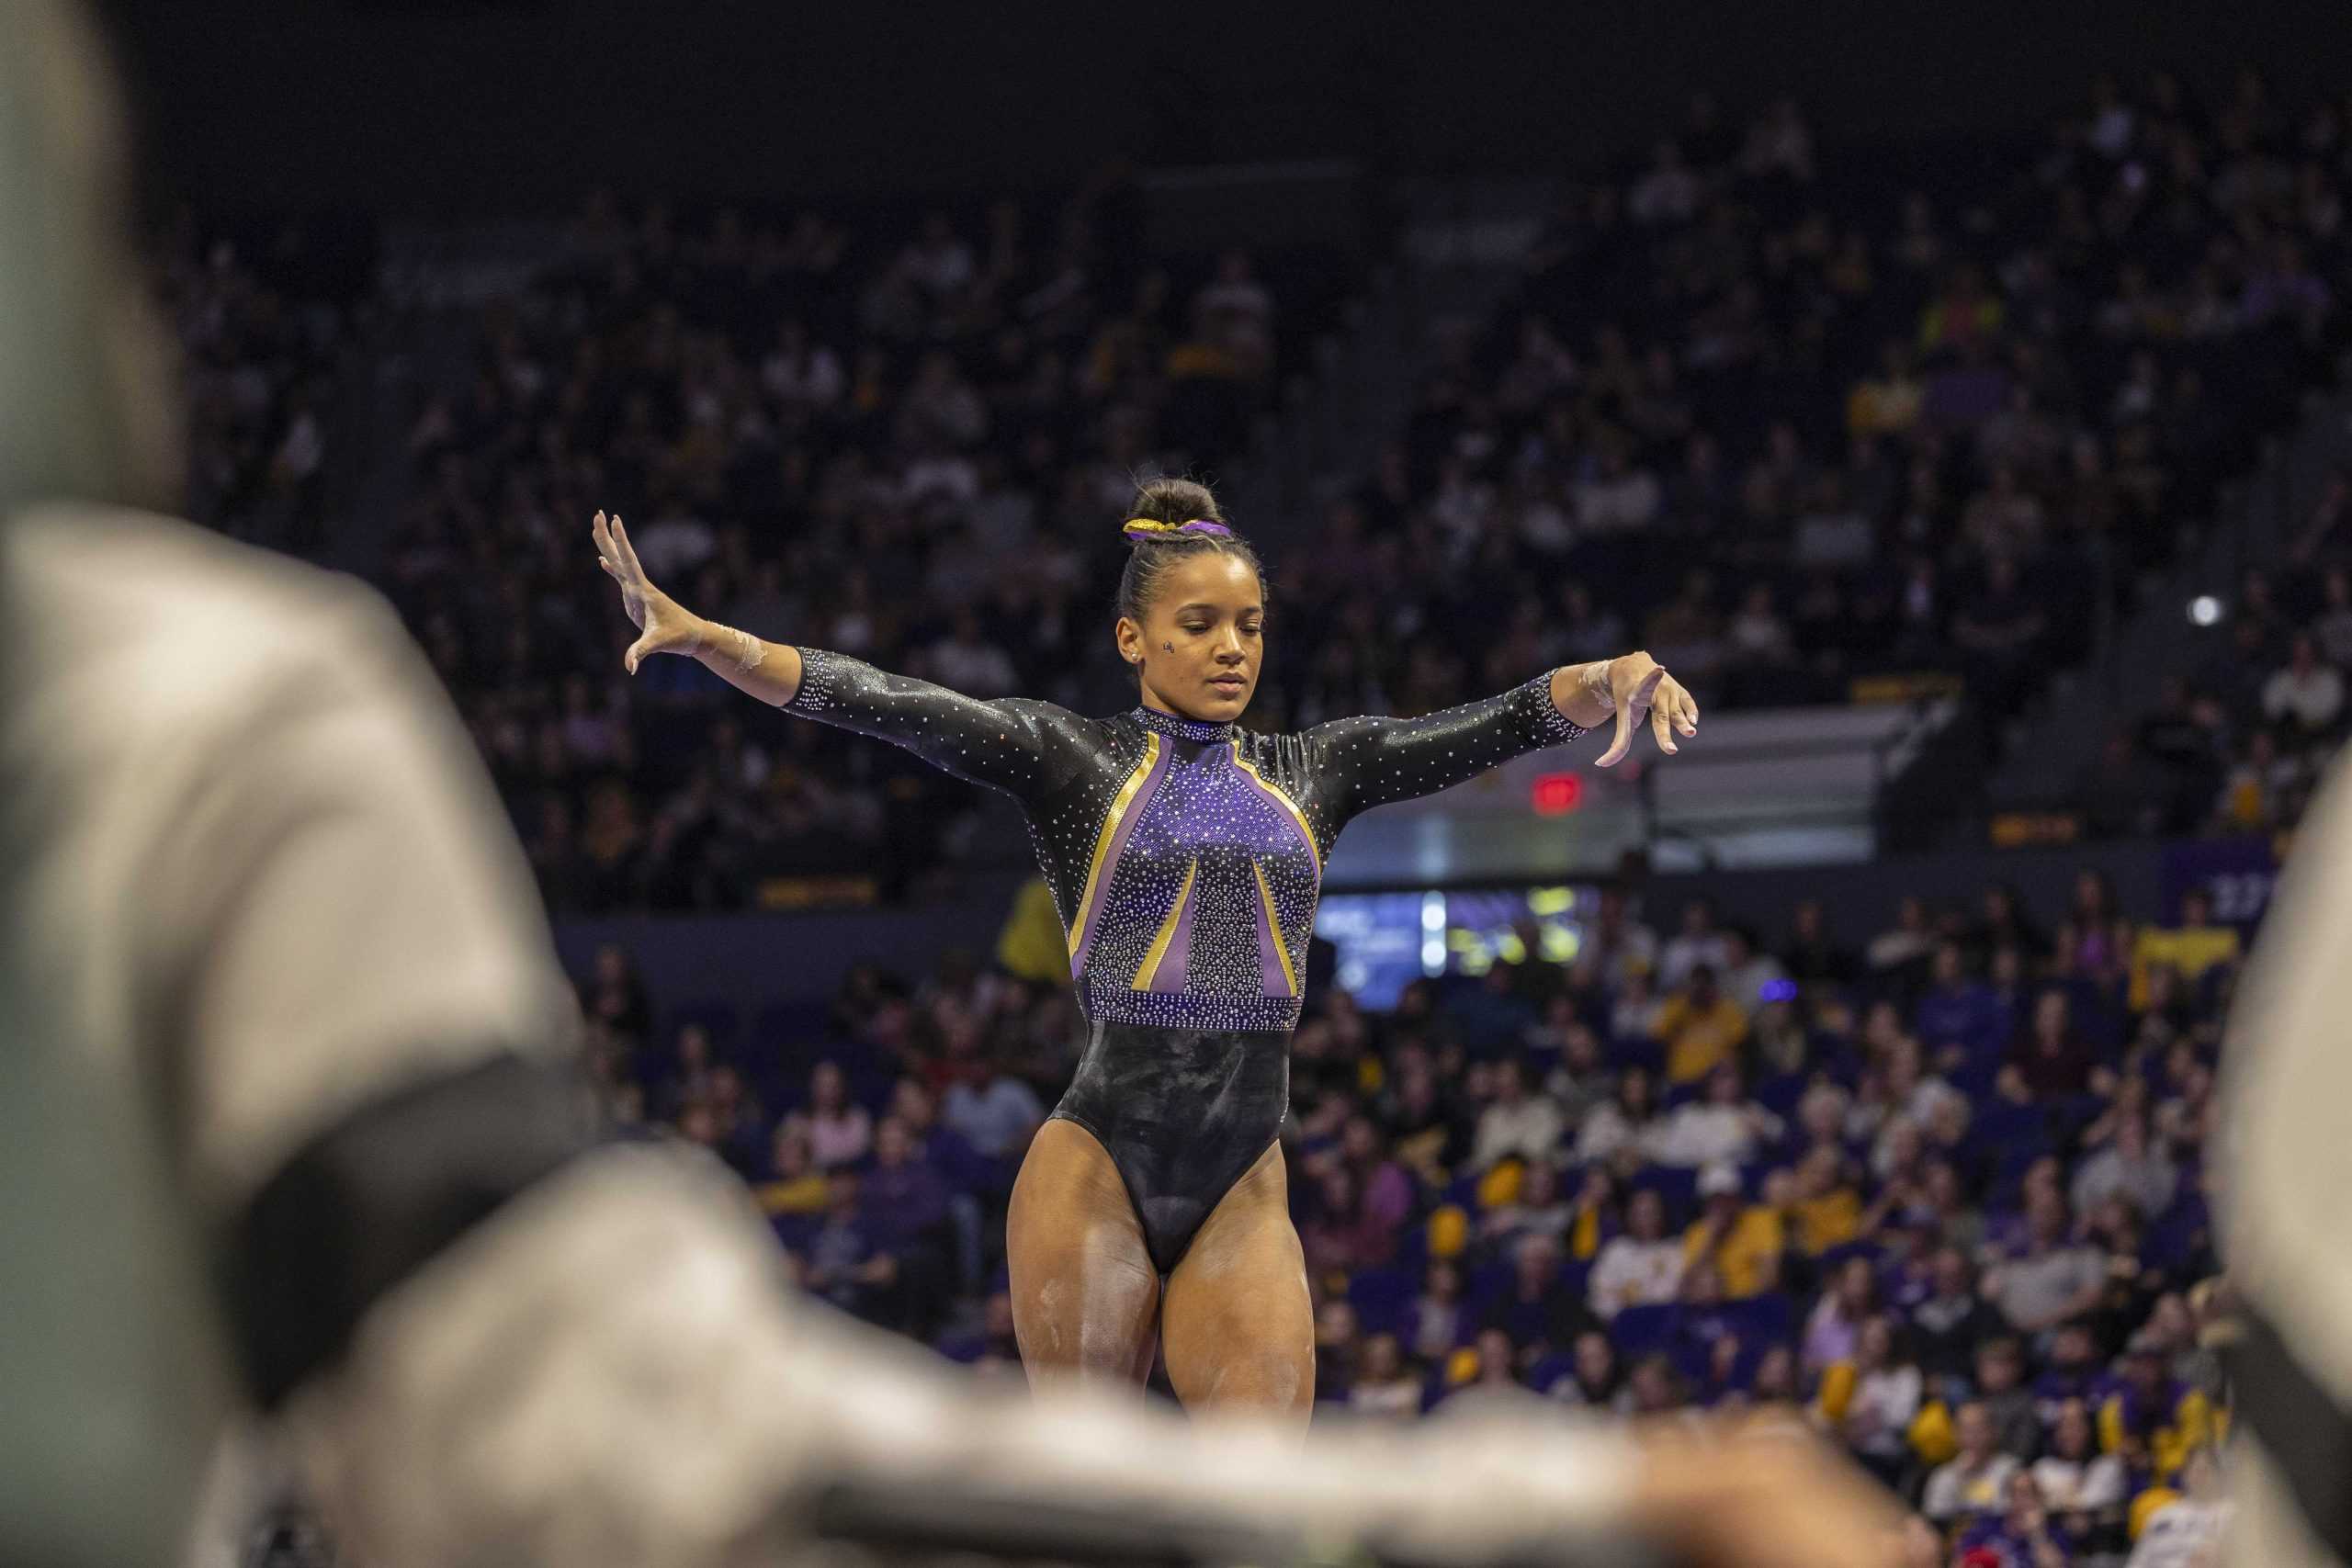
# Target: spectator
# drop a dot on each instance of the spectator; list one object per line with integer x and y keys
{"x": 1517, "y": 1124}
{"x": 2306, "y": 694}
{"x": 2129, "y": 1167}
{"x": 2184, "y": 1529}
{"x": 1625, "y": 1123}
{"x": 2050, "y": 1058}
{"x": 1441, "y": 1319}
{"x": 1742, "y": 1242}
{"x": 1724, "y": 1127}
{"x": 2191, "y": 948}
{"x": 1953, "y": 1320}
{"x": 846, "y": 1263}
{"x": 1592, "y": 1381}
{"x": 839, "y": 1132}
{"x": 1535, "y": 1311}
{"x": 1834, "y": 1331}
{"x": 1383, "y": 1387}
{"x": 1702, "y": 1029}
{"x": 1872, "y": 1400}
{"x": 993, "y": 1111}
{"x": 1976, "y": 1480}
{"x": 2084, "y": 1487}
{"x": 2001, "y": 1388}
{"x": 2022, "y": 1532}
{"x": 2048, "y": 1277}
{"x": 1641, "y": 1268}
{"x": 1700, "y": 942}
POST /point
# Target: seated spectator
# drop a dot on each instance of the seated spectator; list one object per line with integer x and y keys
{"x": 1724, "y": 1126}
{"x": 1641, "y": 1268}
{"x": 2048, "y": 1277}
{"x": 1624, "y": 1123}
{"x": 1824, "y": 1210}
{"x": 1699, "y": 942}
{"x": 995, "y": 1112}
{"x": 2307, "y": 695}
{"x": 1517, "y": 1124}
{"x": 1900, "y": 954}
{"x": 1383, "y": 1385}
{"x": 2085, "y": 1488}
{"x": 2050, "y": 1058}
{"x": 1592, "y": 1381}
{"x": 2191, "y": 947}
{"x": 1871, "y": 1401}
{"x": 2147, "y": 1406}
{"x": 1539, "y": 1209}
{"x": 1701, "y": 1027}
{"x": 796, "y": 1187}
{"x": 1536, "y": 1310}
{"x": 1440, "y": 1320}
{"x": 838, "y": 1133}
{"x": 1957, "y": 1019}
{"x": 1976, "y": 1480}
{"x": 2000, "y": 1387}
{"x": 2183, "y": 1529}
{"x": 903, "y": 1196}
{"x": 2022, "y": 1532}
{"x": 1741, "y": 1241}
{"x": 1812, "y": 956}
{"x": 1655, "y": 1388}
{"x": 1834, "y": 1331}
{"x": 1749, "y": 978}
{"x": 1953, "y": 1320}
{"x": 2131, "y": 1168}
{"x": 1615, "y": 945}
{"x": 847, "y": 1265}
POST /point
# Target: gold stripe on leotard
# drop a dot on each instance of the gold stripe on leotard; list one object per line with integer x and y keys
{"x": 1119, "y": 804}
{"x": 1284, "y": 801}
{"x": 1149, "y": 971}
{"x": 1275, "y": 925}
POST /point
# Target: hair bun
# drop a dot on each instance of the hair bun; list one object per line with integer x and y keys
{"x": 1140, "y": 529}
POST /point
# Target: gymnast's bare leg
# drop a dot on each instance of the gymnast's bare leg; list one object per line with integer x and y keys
{"x": 1235, "y": 1318}
{"x": 1085, "y": 1296}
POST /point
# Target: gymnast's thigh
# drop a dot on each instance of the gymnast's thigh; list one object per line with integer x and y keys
{"x": 1236, "y": 1325}
{"x": 1085, "y": 1296}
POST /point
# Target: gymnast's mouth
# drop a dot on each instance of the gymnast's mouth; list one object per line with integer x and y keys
{"x": 1229, "y": 683}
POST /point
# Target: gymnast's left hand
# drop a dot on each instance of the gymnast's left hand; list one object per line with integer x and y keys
{"x": 1640, "y": 688}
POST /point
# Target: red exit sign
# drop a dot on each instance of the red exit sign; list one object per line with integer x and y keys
{"x": 1557, "y": 795}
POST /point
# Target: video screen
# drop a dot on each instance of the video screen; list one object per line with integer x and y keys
{"x": 1389, "y": 940}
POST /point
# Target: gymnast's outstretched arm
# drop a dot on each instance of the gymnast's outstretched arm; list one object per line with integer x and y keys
{"x": 1372, "y": 762}
{"x": 1019, "y": 745}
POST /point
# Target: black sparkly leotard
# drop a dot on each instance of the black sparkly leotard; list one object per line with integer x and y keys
{"x": 1185, "y": 859}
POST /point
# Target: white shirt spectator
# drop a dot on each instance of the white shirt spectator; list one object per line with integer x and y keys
{"x": 1635, "y": 1273}
{"x": 974, "y": 666}
{"x": 2181, "y": 1535}
{"x": 1957, "y": 1488}
{"x": 1686, "y": 953}
{"x": 812, "y": 375}
{"x": 1606, "y": 1131}
{"x": 1878, "y": 1417}
{"x": 2080, "y": 1486}
{"x": 1618, "y": 504}
{"x": 673, "y": 545}
{"x": 1531, "y": 1128}
{"x": 2311, "y": 696}
{"x": 2149, "y": 1180}
{"x": 1696, "y": 1133}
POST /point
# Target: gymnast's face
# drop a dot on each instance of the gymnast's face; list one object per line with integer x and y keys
{"x": 1202, "y": 639}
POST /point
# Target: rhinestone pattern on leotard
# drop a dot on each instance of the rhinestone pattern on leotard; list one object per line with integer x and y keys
{"x": 1126, "y": 813}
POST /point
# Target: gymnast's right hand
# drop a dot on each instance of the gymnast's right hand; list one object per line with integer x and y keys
{"x": 662, "y": 626}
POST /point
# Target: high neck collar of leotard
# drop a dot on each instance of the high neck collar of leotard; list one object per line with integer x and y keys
{"x": 1182, "y": 728}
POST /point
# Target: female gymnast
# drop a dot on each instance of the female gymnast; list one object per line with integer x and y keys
{"x": 1184, "y": 854}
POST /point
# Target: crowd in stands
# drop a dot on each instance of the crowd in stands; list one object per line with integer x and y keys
{"x": 261, "y": 322}
{"x": 1943, "y": 1196}
{"x": 1791, "y": 419}
{"x": 2239, "y": 743}
{"x": 1785, "y": 423}
{"x": 907, "y": 443}
{"x": 1879, "y": 435}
